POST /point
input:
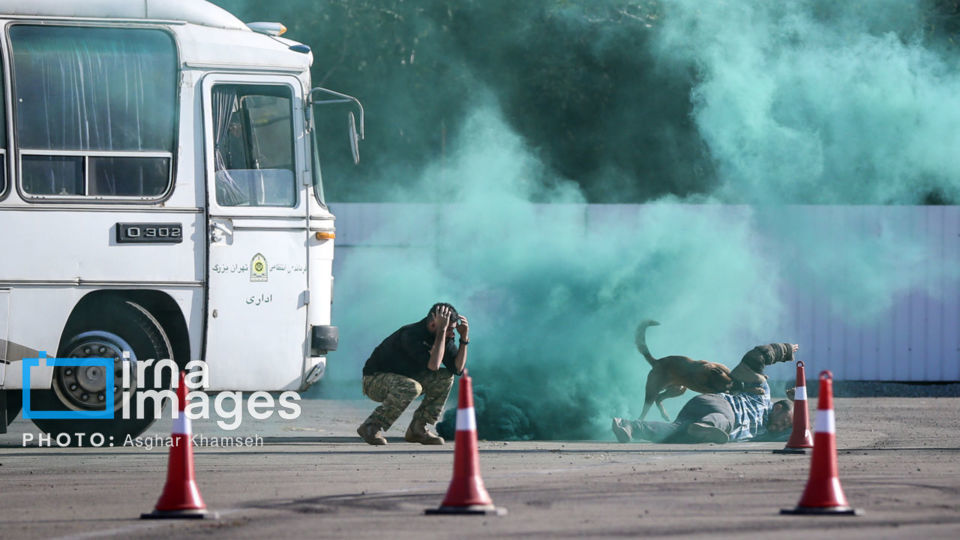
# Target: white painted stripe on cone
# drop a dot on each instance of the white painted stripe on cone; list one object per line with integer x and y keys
{"x": 181, "y": 425}
{"x": 465, "y": 420}
{"x": 800, "y": 393}
{"x": 825, "y": 422}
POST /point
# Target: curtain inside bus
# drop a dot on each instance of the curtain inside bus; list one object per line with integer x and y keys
{"x": 253, "y": 145}
{"x": 95, "y": 109}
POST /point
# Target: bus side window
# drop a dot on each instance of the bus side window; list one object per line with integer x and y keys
{"x": 3, "y": 139}
{"x": 253, "y": 145}
{"x": 95, "y": 110}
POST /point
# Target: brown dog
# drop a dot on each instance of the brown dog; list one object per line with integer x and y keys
{"x": 672, "y": 375}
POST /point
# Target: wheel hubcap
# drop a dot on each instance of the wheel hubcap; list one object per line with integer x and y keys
{"x": 84, "y": 387}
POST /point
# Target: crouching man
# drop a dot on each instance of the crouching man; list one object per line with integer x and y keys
{"x": 419, "y": 358}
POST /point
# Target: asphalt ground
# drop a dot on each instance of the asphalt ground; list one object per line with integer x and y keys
{"x": 898, "y": 458}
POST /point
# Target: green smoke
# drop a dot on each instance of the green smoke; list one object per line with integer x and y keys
{"x": 553, "y": 298}
{"x": 820, "y": 102}
{"x": 836, "y": 103}
{"x": 494, "y": 121}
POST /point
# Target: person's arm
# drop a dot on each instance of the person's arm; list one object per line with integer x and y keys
{"x": 460, "y": 361}
{"x": 780, "y": 352}
{"x": 762, "y": 356}
{"x": 440, "y": 321}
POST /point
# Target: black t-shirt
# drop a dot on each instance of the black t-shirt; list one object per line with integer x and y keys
{"x": 407, "y": 352}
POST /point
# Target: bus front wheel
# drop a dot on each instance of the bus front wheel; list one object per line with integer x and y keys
{"x": 120, "y": 331}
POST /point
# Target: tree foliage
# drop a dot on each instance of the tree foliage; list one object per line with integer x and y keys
{"x": 577, "y": 79}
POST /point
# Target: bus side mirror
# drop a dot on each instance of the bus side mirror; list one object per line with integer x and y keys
{"x": 329, "y": 97}
{"x": 354, "y": 137}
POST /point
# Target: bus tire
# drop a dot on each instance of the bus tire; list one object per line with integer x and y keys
{"x": 104, "y": 331}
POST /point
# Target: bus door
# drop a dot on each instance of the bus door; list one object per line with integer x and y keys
{"x": 256, "y": 314}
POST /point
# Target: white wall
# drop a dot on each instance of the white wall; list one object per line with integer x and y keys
{"x": 915, "y": 338}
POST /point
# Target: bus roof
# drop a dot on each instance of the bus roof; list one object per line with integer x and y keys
{"x": 208, "y": 36}
{"x": 192, "y": 11}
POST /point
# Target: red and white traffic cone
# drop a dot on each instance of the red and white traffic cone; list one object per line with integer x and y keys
{"x": 180, "y": 498}
{"x": 800, "y": 438}
{"x": 466, "y": 494}
{"x": 823, "y": 494}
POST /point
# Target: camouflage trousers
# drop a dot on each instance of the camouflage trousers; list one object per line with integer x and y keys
{"x": 396, "y": 392}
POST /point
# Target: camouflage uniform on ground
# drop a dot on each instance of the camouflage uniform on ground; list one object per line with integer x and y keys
{"x": 395, "y": 392}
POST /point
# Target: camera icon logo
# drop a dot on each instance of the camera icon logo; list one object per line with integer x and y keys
{"x": 106, "y": 363}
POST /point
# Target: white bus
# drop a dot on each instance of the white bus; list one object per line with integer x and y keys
{"x": 160, "y": 197}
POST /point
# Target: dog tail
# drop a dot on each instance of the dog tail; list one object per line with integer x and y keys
{"x": 642, "y": 341}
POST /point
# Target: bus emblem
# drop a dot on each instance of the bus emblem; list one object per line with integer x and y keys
{"x": 258, "y": 268}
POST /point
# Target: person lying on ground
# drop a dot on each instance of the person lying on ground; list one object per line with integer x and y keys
{"x": 724, "y": 417}
{"x": 716, "y": 418}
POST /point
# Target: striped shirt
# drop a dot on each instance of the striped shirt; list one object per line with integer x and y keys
{"x": 750, "y": 413}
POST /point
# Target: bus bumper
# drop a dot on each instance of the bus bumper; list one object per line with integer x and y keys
{"x": 323, "y": 339}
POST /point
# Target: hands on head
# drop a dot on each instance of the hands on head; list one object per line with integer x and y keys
{"x": 440, "y": 319}
{"x": 444, "y": 321}
{"x": 463, "y": 328}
